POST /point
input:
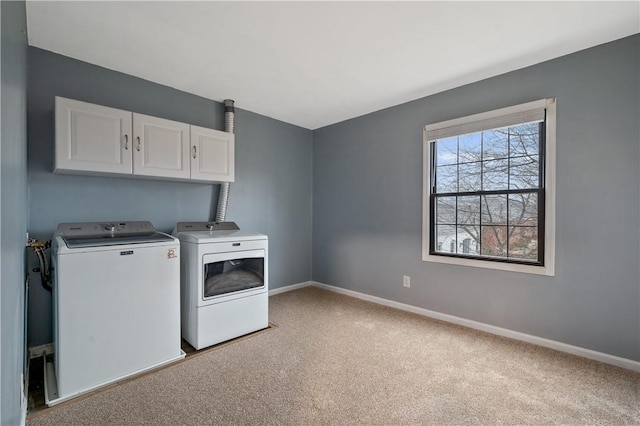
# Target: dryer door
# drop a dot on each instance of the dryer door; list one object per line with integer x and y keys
{"x": 233, "y": 273}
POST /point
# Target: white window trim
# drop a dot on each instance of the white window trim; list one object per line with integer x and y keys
{"x": 550, "y": 192}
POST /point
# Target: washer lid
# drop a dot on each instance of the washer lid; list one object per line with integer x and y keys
{"x": 104, "y": 229}
{"x": 75, "y": 242}
{"x": 97, "y": 234}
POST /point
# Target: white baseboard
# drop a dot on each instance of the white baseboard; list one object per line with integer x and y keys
{"x": 290, "y": 288}
{"x": 42, "y": 350}
{"x": 516, "y": 335}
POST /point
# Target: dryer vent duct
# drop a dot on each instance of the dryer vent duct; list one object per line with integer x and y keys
{"x": 223, "y": 196}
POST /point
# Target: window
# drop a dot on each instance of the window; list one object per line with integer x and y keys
{"x": 465, "y": 245}
{"x": 489, "y": 192}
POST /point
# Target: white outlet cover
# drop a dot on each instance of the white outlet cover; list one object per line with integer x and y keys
{"x": 406, "y": 281}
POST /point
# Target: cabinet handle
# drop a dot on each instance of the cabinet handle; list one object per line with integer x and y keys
{"x": 194, "y": 151}
{"x": 126, "y": 142}
{"x": 138, "y": 148}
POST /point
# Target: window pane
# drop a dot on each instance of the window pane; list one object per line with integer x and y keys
{"x": 446, "y": 210}
{"x": 523, "y": 242}
{"x": 469, "y": 179}
{"x": 469, "y": 210}
{"x": 447, "y": 151}
{"x": 524, "y": 172}
{"x": 494, "y": 210}
{"x": 446, "y": 179}
{"x": 524, "y": 139}
{"x": 470, "y": 148}
{"x": 495, "y": 175}
{"x": 446, "y": 238}
{"x": 523, "y": 209}
{"x": 494, "y": 241}
{"x": 468, "y": 223}
{"x": 495, "y": 144}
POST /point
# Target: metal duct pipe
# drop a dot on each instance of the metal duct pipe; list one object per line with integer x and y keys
{"x": 229, "y": 115}
{"x": 223, "y": 196}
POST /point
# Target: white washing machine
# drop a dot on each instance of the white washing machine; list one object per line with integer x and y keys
{"x": 224, "y": 282}
{"x": 116, "y": 293}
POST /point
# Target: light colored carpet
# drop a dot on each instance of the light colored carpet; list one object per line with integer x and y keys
{"x": 338, "y": 360}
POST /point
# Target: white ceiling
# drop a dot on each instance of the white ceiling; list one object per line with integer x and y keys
{"x": 318, "y": 63}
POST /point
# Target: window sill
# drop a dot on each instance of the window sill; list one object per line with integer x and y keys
{"x": 501, "y": 266}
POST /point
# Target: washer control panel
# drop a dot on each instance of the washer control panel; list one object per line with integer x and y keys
{"x": 104, "y": 229}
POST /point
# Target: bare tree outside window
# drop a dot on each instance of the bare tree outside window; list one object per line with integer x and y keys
{"x": 486, "y": 189}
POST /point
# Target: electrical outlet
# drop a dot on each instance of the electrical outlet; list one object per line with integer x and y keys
{"x": 406, "y": 281}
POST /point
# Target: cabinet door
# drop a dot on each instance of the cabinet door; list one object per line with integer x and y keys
{"x": 160, "y": 147}
{"x": 92, "y": 138}
{"x": 212, "y": 155}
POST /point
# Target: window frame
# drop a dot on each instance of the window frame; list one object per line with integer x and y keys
{"x": 548, "y": 163}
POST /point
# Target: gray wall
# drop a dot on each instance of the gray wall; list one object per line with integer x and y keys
{"x": 13, "y": 216}
{"x": 367, "y": 186}
{"x": 272, "y": 192}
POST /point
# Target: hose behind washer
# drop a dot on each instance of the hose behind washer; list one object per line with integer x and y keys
{"x": 45, "y": 274}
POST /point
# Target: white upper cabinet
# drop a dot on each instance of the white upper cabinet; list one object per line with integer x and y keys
{"x": 98, "y": 140}
{"x": 212, "y": 155}
{"x": 160, "y": 147}
{"x": 92, "y": 138}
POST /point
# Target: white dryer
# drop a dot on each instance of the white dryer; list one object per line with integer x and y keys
{"x": 224, "y": 282}
{"x": 116, "y": 292}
